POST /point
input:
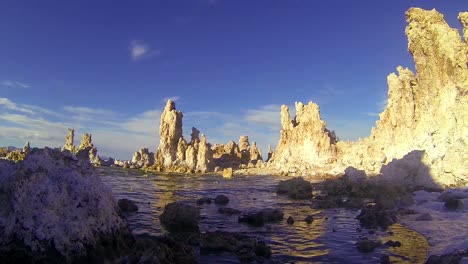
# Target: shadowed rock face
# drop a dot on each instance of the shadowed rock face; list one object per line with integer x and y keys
{"x": 426, "y": 112}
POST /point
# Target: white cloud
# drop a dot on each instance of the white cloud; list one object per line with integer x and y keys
{"x": 14, "y": 84}
{"x": 267, "y": 116}
{"x": 139, "y": 50}
{"x": 6, "y": 103}
{"x": 81, "y": 110}
{"x": 172, "y": 98}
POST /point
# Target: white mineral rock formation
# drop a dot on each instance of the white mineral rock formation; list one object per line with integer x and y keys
{"x": 421, "y": 137}
{"x": 53, "y": 201}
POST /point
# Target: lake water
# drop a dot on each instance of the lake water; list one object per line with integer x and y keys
{"x": 330, "y": 238}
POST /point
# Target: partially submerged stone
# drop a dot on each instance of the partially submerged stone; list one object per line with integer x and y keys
{"x": 178, "y": 216}
{"x": 127, "y": 205}
{"x": 296, "y": 188}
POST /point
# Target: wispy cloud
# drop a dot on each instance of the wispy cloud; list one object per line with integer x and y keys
{"x": 381, "y": 105}
{"x": 81, "y": 110}
{"x": 140, "y": 49}
{"x": 267, "y": 116}
{"x": 14, "y": 84}
{"x": 6, "y": 103}
{"x": 172, "y": 98}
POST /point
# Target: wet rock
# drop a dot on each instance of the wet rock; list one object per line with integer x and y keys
{"x": 180, "y": 216}
{"x": 221, "y": 200}
{"x": 354, "y": 203}
{"x": 245, "y": 248}
{"x": 296, "y": 188}
{"x": 290, "y": 220}
{"x": 324, "y": 202}
{"x": 229, "y": 211}
{"x": 367, "y": 246}
{"x": 454, "y": 257}
{"x": 52, "y": 191}
{"x": 454, "y": 204}
{"x": 149, "y": 249}
{"x": 259, "y": 218}
{"x": 204, "y": 200}
{"x": 392, "y": 243}
{"x": 227, "y": 173}
{"x": 385, "y": 259}
{"x": 424, "y": 217}
{"x": 127, "y": 205}
{"x": 374, "y": 216}
{"x": 309, "y": 219}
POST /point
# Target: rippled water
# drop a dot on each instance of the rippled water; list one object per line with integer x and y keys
{"x": 330, "y": 238}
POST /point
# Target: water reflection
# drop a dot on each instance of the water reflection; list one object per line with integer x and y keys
{"x": 330, "y": 238}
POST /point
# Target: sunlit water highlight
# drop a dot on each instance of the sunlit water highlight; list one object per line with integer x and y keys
{"x": 330, "y": 238}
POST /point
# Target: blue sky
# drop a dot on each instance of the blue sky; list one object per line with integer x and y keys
{"x": 106, "y": 67}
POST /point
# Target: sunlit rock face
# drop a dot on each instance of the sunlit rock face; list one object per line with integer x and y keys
{"x": 427, "y": 112}
{"x": 305, "y": 140}
{"x": 53, "y": 202}
{"x": 86, "y": 150}
{"x": 143, "y": 158}
{"x": 69, "y": 140}
{"x": 170, "y": 131}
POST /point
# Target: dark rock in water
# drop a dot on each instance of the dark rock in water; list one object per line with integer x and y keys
{"x": 259, "y": 218}
{"x": 451, "y": 258}
{"x": 77, "y": 220}
{"x": 245, "y": 248}
{"x": 149, "y": 249}
{"x": 454, "y": 204}
{"x": 227, "y": 210}
{"x": 424, "y": 217}
{"x": 354, "y": 203}
{"x": 221, "y": 199}
{"x": 324, "y": 202}
{"x": 392, "y": 243}
{"x": 296, "y": 188}
{"x": 290, "y": 220}
{"x": 180, "y": 216}
{"x": 367, "y": 246}
{"x": 309, "y": 219}
{"x": 385, "y": 259}
{"x": 127, "y": 205}
{"x": 374, "y": 216}
{"x": 204, "y": 200}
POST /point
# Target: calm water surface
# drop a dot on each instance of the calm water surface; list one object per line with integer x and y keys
{"x": 330, "y": 238}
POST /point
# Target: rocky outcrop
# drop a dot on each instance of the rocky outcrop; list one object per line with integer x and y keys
{"x": 143, "y": 158}
{"x": 69, "y": 141}
{"x": 179, "y": 216}
{"x": 204, "y": 156}
{"x": 420, "y": 138}
{"x": 53, "y": 202}
{"x": 170, "y": 131}
{"x": 255, "y": 153}
{"x": 86, "y": 150}
{"x": 305, "y": 141}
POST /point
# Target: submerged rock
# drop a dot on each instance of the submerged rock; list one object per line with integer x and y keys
{"x": 367, "y": 246}
{"x": 221, "y": 199}
{"x": 296, "y": 188}
{"x": 309, "y": 219}
{"x": 374, "y": 216}
{"x": 204, "y": 200}
{"x": 454, "y": 204}
{"x": 55, "y": 208}
{"x": 449, "y": 258}
{"x": 261, "y": 217}
{"x": 127, "y": 205}
{"x": 245, "y": 248}
{"x": 178, "y": 216}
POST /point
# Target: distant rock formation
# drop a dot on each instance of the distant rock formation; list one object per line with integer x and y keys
{"x": 69, "y": 140}
{"x": 86, "y": 150}
{"x": 143, "y": 158}
{"x": 174, "y": 154}
{"x": 305, "y": 141}
{"x": 426, "y": 112}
